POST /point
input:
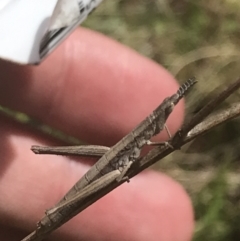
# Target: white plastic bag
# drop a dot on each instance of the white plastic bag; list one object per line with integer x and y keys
{"x": 31, "y": 29}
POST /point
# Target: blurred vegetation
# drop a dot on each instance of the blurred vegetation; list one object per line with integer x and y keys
{"x": 192, "y": 38}
{"x": 189, "y": 38}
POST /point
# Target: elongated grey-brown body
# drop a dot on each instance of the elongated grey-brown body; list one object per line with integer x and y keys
{"x": 128, "y": 149}
{"x": 112, "y": 165}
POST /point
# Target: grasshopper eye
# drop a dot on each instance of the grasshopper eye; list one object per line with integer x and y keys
{"x": 170, "y": 108}
{"x": 172, "y": 105}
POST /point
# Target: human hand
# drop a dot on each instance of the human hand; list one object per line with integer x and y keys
{"x": 97, "y": 90}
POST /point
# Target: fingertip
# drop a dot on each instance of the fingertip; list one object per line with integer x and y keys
{"x": 91, "y": 87}
{"x": 125, "y": 88}
{"x": 151, "y": 207}
{"x": 167, "y": 207}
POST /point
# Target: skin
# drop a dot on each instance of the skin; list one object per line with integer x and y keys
{"x": 97, "y": 90}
